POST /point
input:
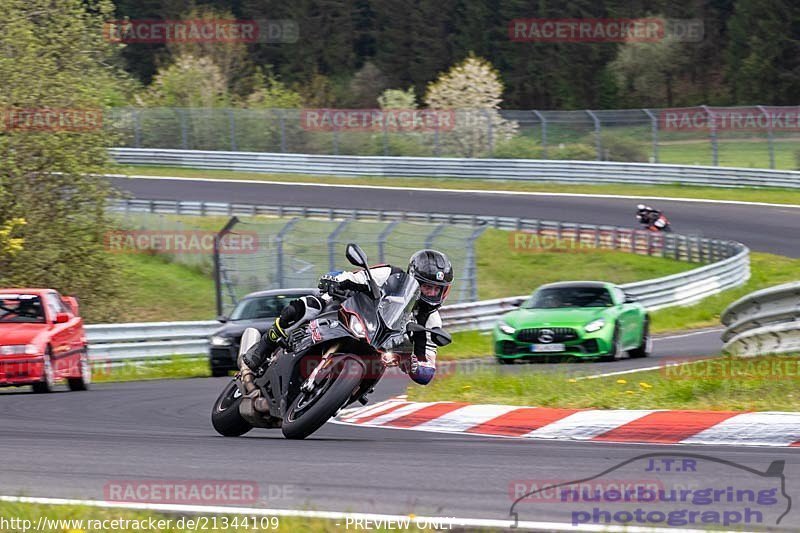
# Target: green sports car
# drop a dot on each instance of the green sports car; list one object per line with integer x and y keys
{"x": 586, "y": 319}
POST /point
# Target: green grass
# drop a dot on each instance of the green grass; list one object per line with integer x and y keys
{"x": 742, "y": 194}
{"x": 153, "y": 289}
{"x": 174, "y": 368}
{"x": 739, "y": 153}
{"x": 750, "y": 387}
{"x": 505, "y": 271}
{"x": 33, "y": 512}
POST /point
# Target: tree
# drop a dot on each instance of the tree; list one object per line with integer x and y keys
{"x": 55, "y": 62}
{"x": 648, "y": 70}
{"x": 473, "y": 90}
{"x": 189, "y": 82}
{"x": 398, "y": 99}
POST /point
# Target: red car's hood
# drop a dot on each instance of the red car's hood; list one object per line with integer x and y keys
{"x": 21, "y": 333}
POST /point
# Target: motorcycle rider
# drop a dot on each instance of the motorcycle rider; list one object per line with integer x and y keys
{"x": 433, "y": 271}
{"x": 647, "y": 215}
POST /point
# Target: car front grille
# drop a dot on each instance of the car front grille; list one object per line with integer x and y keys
{"x": 558, "y": 334}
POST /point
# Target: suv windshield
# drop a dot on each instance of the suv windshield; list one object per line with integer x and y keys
{"x": 21, "y": 308}
{"x": 261, "y": 307}
{"x": 561, "y": 297}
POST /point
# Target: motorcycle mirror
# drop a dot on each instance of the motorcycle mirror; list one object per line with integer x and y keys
{"x": 440, "y": 337}
{"x": 356, "y": 255}
{"x": 413, "y": 327}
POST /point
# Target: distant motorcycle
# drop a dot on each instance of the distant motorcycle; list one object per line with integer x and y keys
{"x": 653, "y": 219}
{"x": 327, "y": 363}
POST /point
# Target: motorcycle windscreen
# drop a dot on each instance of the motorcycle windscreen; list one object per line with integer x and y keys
{"x": 398, "y": 296}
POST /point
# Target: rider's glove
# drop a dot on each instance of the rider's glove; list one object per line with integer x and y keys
{"x": 350, "y": 285}
{"x": 328, "y": 284}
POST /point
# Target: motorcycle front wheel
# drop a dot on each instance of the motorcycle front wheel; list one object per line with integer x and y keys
{"x": 310, "y": 410}
{"x": 225, "y": 416}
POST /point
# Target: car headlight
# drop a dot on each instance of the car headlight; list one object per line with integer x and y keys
{"x": 595, "y": 325}
{"x": 217, "y": 340}
{"x": 505, "y": 328}
{"x": 20, "y": 349}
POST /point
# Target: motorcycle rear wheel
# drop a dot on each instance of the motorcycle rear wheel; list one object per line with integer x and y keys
{"x": 309, "y": 411}
{"x": 225, "y": 416}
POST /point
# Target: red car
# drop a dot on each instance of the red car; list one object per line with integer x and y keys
{"x": 42, "y": 340}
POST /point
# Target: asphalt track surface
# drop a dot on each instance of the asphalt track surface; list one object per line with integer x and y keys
{"x": 74, "y": 444}
{"x": 762, "y": 228}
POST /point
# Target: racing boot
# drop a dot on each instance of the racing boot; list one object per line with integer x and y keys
{"x": 258, "y": 354}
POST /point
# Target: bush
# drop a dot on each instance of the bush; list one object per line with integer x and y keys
{"x": 519, "y": 147}
{"x": 623, "y": 149}
{"x": 575, "y": 152}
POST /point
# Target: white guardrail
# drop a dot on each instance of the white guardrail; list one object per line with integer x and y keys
{"x": 464, "y": 168}
{"x": 764, "y": 322}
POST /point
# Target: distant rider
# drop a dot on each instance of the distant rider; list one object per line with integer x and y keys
{"x": 647, "y": 215}
{"x": 431, "y": 268}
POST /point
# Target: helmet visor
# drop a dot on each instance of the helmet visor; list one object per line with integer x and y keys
{"x": 433, "y": 293}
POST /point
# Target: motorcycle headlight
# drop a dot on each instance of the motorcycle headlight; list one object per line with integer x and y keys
{"x": 217, "y": 340}
{"x": 357, "y": 327}
{"x": 20, "y": 349}
{"x": 505, "y": 328}
{"x": 594, "y": 325}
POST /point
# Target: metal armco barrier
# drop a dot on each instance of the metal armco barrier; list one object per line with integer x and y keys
{"x": 764, "y": 322}
{"x": 146, "y": 340}
{"x": 531, "y": 170}
{"x": 729, "y": 267}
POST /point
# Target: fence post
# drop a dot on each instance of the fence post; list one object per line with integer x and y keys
{"x": 232, "y": 123}
{"x": 654, "y": 128}
{"x": 544, "y": 132}
{"x": 335, "y": 139}
{"x": 137, "y": 129}
{"x": 184, "y": 129}
{"x": 770, "y": 138}
{"x": 436, "y": 151}
{"x": 382, "y": 240}
{"x": 279, "y": 270}
{"x": 385, "y": 138}
{"x": 432, "y": 235}
{"x": 598, "y": 142}
{"x": 489, "y": 131}
{"x": 471, "y": 268}
{"x": 217, "y": 264}
{"x": 713, "y": 136}
{"x": 332, "y": 244}
{"x": 282, "y": 122}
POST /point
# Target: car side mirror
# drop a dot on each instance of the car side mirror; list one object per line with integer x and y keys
{"x": 61, "y": 318}
{"x": 222, "y": 318}
{"x": 356, "y": 255}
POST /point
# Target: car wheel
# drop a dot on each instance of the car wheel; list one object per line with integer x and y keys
{"x": 82, "y": 382}
{"x": 616, "y": 348}
{"x": 504, "y": 361}
{"x": 48, "y": 376}
{"x": 646, "y": 347}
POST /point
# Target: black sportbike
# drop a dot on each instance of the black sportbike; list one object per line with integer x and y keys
{"x": 327, "y": 363}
